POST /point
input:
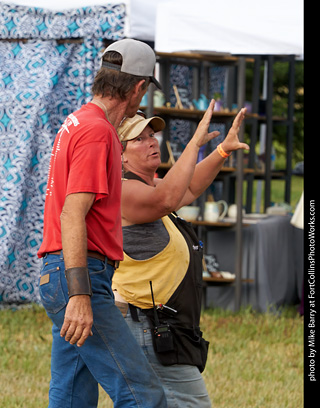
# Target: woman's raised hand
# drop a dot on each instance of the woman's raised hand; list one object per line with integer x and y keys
{"x": 201, "y": 135}
{"x": 231, "y": 142}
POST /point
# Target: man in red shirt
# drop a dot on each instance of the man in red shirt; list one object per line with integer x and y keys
{"x": 82, "y": 244}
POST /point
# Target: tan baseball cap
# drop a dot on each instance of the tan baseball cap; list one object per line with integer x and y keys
{"x": 131, "y": 128}
{"x": 138, "y": 58}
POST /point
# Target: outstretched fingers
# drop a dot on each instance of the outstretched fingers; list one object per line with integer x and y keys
{"x": 208, "y": 113}
{"x": 213, "y": 134}
{"x": 237, "y": 124}
{"x": 239, "y": 119}
{"x": 231, "y": 142}
{"x": 244, "y": 146}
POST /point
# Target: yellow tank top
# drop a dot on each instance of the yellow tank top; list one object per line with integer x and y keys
{"x": 166, "y": 270}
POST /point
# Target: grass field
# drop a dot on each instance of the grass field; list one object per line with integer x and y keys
{"x": 255, "y": 360}
{"x": 277, "y": 192}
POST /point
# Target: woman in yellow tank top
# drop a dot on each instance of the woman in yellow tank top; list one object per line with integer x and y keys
{"x": 156, "y": 250}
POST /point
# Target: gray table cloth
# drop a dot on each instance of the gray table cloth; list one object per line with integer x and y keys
{"x": 272, "y": 256}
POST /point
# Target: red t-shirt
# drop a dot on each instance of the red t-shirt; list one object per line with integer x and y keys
{"x": 86, "y": 157}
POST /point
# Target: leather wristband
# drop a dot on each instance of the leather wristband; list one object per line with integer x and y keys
{"x": 78, "y": 281}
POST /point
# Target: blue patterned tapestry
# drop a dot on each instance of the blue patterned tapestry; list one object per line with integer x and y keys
{"x": 180, "y": 130}
{"x": 42, "y": 80}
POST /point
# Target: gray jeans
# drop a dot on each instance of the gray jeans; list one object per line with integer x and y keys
{"x": 183, "y": 384}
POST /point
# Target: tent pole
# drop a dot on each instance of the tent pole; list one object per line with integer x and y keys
{"x": 239, "y": 188}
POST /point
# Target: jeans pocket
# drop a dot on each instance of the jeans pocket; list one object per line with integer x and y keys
{"x": 51, "y": 291}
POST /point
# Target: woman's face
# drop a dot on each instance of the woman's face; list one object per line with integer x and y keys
{"x": 143, "y": 152}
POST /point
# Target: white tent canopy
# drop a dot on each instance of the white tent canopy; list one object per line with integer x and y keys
{"x": 246, "y": 27}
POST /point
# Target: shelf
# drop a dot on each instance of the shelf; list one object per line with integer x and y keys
{"x": 218, "y": 224}
{"x": 223, "y": 281}
{"x": 192, "y": 113}
{"x": 225, "y": 169}
{"x": 217, "y": 281}
{"x": 219, "y": 58}
{"x": 225, "y": 224}
{"x": 260, "y": 175}
{"x": 280, "y": 119}
{"x": 165, "y": 166}
{"x": 198, "y": 114}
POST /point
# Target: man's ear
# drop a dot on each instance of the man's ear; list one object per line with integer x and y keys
{"x": 138, "y": 88}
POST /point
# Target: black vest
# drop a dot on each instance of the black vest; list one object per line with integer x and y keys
{"x": 189, "y": 345}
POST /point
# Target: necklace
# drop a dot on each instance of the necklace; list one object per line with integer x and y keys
{"x": 124, "y": 118}
{"x": 102, "y": 106}
{"x": 122, "y": 168}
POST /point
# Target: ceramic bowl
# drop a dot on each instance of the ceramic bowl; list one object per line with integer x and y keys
{"x": 189, "y": 212}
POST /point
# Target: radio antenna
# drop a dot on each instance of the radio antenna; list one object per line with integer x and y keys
{"x": 156, "y": 319}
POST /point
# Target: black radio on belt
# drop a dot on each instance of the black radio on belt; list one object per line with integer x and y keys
{"x": 161, "y": 332}
{"x": 163, "y": 338}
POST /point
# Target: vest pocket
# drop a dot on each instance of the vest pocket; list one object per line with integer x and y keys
{"x": 189, "y": 347}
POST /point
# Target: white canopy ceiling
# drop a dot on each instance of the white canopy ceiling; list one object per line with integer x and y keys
{"x": 236, "y": 27}
{"x": 231, "y": 26}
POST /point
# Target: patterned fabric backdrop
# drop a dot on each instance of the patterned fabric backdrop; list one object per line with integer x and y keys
{"x": 181, "y": 130}
{"x": 42, "y": 81}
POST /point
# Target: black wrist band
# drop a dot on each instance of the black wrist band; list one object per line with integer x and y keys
{"x": 78, "y": 281}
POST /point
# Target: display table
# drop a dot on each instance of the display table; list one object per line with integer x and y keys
{"x": 272, "y": 264}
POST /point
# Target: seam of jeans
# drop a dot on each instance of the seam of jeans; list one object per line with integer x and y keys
{"x": 118, "y": 365}
{"x": 74, "y": 374}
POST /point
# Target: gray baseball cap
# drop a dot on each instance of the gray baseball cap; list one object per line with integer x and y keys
{"x": 137, "y": 58}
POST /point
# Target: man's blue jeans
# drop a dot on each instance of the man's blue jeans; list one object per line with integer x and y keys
{"x": 111, "y": 357}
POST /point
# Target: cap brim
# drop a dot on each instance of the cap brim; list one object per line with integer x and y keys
{"x": 156, "y": 123}
{"x": 135, "y": 129}
{"x": 157, "y": 83}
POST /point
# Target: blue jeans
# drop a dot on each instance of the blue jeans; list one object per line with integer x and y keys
{"x": 183, "y": 384}
{"x": 111, "y": 357}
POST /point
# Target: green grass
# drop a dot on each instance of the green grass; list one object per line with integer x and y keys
{"x": 255, "y": 360}
{"x": 277, "y": 192}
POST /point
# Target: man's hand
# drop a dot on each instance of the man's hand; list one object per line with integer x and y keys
{"x": 78, "y": 320}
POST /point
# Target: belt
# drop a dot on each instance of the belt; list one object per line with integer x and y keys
{"x": 96, "y": 255}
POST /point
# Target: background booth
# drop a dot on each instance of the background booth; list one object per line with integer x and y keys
{"x": 48, "y": 58}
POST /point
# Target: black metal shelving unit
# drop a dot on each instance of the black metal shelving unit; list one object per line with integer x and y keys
{"x": 234, "y": 176}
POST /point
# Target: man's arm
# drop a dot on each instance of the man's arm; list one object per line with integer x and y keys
{"x": 78, "y": 318}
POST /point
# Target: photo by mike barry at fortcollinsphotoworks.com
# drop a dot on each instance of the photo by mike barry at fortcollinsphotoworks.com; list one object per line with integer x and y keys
{"x": 310, "y": 300}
